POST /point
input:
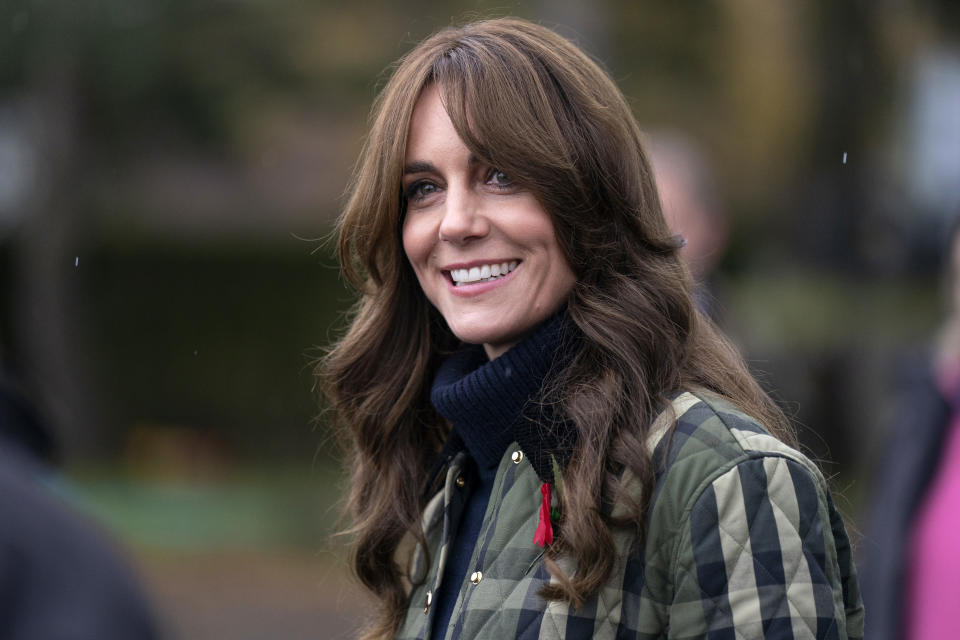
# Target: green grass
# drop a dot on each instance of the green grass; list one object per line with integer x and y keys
{"x": 245, "y": 509}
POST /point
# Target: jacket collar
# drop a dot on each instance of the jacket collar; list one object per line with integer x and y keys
{"x": 492, "y": 403}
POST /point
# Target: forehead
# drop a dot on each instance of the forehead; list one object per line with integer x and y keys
{"x": 431, "y": 131}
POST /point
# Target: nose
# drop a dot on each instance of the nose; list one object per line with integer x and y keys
{"x": 463, "y": 218}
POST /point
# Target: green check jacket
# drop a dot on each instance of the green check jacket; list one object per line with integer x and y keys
{"x": 743, "y": 541}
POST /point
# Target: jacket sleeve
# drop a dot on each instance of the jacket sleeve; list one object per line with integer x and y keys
{"x": 763, "y": 554}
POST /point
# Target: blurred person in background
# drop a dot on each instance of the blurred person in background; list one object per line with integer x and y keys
{"x": 911, "y": 561}
{"x": 59, "y": 577}
{"x": 691, "y": 205}
{"x": 546, "y": 437}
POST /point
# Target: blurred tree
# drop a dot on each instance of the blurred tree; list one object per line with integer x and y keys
{"x": 43, "y": 297}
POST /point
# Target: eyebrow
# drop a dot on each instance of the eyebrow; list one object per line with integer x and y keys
{"x": 420, "y": 166}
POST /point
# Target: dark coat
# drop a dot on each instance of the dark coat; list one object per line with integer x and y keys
{"x": 903, "y": 476}
{"x": 59, "y": 577}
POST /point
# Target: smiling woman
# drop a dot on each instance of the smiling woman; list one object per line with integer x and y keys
{"x": 483, "y": 248}
{"x": 547, "y": 439}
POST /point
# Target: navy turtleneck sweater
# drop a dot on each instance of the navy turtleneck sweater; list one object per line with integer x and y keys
{"x": 491, "y": 403}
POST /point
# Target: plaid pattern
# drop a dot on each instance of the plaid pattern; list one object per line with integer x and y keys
{"x": 743, "y": 542}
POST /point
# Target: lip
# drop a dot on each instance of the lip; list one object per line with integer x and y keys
{"x": 476, "y": 288}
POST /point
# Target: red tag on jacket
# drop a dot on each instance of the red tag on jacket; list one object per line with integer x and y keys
{"x": 544, "y": 534}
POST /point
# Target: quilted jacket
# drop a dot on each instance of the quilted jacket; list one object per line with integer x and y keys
{"x": 743, "y": 541}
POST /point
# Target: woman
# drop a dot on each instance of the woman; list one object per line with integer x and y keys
{"x": 911, "y": 557}
{"x": 547, "y": 439}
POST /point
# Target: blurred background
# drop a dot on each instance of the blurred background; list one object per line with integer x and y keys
{"x": 168, "y": 170}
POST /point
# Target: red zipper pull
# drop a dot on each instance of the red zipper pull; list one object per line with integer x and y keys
{"x": 544, "y": 534}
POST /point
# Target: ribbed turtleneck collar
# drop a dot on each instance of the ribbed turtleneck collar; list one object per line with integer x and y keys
{"x": 491, "y": 403}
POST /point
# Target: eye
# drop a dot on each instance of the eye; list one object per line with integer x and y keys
{"x": 420, "y": 190}
{"x": 499, "y": 179}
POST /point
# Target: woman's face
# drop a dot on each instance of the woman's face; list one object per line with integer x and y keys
{"x": 484, "y": 250}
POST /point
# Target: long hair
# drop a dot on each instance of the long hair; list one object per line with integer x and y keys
{"x": 527, "y": 101}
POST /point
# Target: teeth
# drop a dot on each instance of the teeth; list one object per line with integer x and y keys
{"x": 482, "y": 274}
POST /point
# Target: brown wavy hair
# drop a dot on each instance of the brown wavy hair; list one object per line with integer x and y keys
{"x": 529, "y": 102}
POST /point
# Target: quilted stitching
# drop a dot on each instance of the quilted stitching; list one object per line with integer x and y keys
{"x": 704, "y": 451}
{"x": 742, "y": 549}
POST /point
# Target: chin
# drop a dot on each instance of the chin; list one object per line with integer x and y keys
{"x": 482, "y": 335}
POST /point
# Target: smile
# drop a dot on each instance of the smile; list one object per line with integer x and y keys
{"x": 483, "y": 273}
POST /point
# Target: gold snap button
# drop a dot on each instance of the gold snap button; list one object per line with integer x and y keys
{"x": 429, "y": 601}
{"x": 461, "y": 482}
{"x": 517, "y": 456}
{"x": 476, "y": 577}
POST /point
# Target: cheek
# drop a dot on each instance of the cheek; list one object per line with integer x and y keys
{"x": 562, "y": 275}
{"x": 417, "y": 247}
{"x": 411, "y": 241}
{"x": 531, "y": 225}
